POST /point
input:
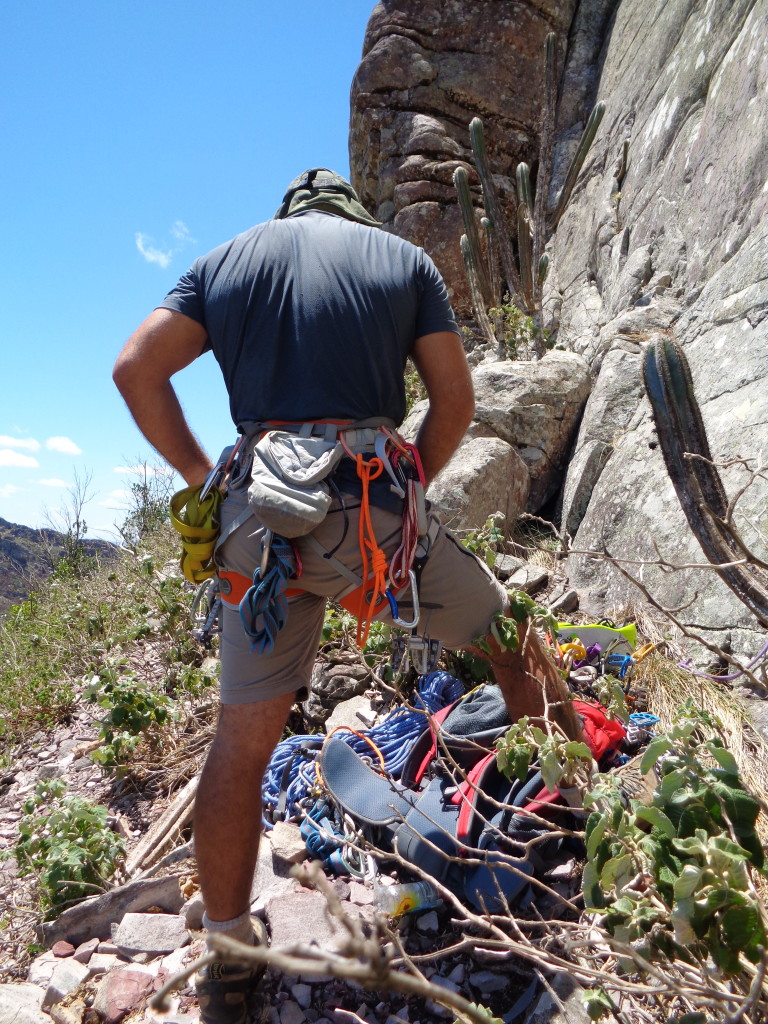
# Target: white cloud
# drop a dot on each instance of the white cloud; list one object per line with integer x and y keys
{"x": 178, "y": 231}
{"x": 11, "y": 458}
{"x": 150, "y": 253}
{"x": 19, "y": 442}
{"x": 116, "y": 499}
{"x": 64, "y": 445}
{"x": 8, "y": 489}
{"x": 52, "y": 481}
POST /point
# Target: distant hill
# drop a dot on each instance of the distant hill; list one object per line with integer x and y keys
{"x": 27, "y": 558}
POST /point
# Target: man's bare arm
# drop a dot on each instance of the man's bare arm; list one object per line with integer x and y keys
{"x": 164, "y": 344}
{"x": 443, "y": 367}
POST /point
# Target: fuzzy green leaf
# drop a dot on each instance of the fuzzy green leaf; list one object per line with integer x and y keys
{"x": 658, "y": 746}
{"x": 656, "y": 817}
{"x": 688, "y": 882}
{"x": 596, "y": 831}
{"x": 597, "y": 1003}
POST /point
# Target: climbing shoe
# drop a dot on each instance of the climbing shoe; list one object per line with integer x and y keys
{"x": 224, "y": 988}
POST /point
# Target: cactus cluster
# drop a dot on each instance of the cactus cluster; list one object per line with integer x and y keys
{"x": 684, "y": 445}
{"x": 526, "y": 269}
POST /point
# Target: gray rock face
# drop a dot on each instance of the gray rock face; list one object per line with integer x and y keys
{"x": 428, "y": 67}
{"x": 514, "y": 454}
{"x": 686, "y": 252}
{"x": 535, "y": 407}
{"x": 337, "y": 679}
{"x": 21, "y": 1004}
{"x": 96, "y": 916}
{"x": 677, "y": 244}
{"x": 67, "y": 976}
{"x": 610, "y": 407}
{"x": 150, "y": 933}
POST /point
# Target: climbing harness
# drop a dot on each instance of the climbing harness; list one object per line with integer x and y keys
{"x": 291, "y": 467}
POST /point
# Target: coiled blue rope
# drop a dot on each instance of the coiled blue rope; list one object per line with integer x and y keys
{"x": 264, "y": 607}
{"x": 393, "y": 736}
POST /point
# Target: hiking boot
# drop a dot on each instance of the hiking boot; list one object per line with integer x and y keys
{"x": 224, "y": 988}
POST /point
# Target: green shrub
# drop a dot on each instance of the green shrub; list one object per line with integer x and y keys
{"x": 67, "y": 843}
{"x": 672, "y": 879}
{"x": 132, "y": 708}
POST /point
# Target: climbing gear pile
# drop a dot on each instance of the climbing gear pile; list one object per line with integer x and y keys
{"x": 291, "y": 778}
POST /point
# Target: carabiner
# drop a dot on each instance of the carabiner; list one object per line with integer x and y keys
{"x": 416, "y": 611}
{"x": 380, "y": 447}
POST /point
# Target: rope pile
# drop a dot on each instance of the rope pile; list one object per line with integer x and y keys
{"x": 291, "y": 774}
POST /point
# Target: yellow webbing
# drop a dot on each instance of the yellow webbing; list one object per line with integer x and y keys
{"x": 198, "y": 524}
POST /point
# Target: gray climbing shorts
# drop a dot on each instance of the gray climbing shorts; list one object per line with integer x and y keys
{"x": 458, "y": 596}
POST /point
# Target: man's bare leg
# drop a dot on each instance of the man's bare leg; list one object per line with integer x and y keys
{"x": 531, "y": 683}
{"x": 227, "y": 823}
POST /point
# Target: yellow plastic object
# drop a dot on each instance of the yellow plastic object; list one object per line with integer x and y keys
{"x": 198, "y": 524}
{"x": 644, "y": 651}
{"x": 624, "y": 637}
{"x": 577, "y": 649}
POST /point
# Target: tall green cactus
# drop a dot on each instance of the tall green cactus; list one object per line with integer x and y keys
{"x": 478, "y": 305}
{"x": 461, "y": 181}
{"x": 493, "y": 206}
{"x": 525, "y": 274}
{"x": 585, "y": 142}
{"x": 684, "y": 445}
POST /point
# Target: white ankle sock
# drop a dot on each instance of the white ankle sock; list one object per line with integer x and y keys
{"x": 239, "y": 928}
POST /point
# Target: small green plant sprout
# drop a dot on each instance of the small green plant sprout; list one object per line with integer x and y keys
{"x": 673, "y": 879}
{"x": 132, "y": 709}
{"x": 486, "y": 541}
{"x": 610, "y": 693}
{"x": 478, "y": 1015}
{"x": 66, "y": 842}
{"x": 522, "y": 608}
{"x": 517, "y": 333}
{"x": 597, "y": 1003}
{"x": 560, "y": 760}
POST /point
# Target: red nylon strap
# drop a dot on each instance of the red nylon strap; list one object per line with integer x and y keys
{"x": 238, "y": 584}
{"x": 438, "y": 718}
{"x": 467, "y": 794}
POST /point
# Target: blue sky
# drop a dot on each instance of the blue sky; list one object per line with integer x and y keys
{"x": 136, "y": 137}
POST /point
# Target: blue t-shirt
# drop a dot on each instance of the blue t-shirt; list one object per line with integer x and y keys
{"x": 313, "y": 317}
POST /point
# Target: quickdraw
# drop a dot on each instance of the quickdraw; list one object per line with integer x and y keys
{"x": 264, "y": 607}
